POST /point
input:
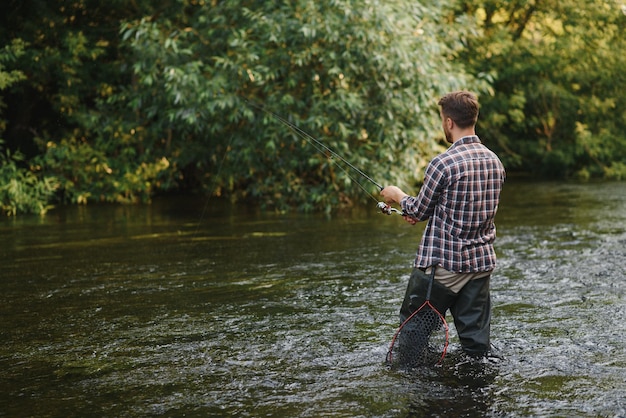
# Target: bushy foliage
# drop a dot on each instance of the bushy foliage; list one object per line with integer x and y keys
{"x": 71, "y": 65}
{"x": 362, "y": 76}
{"x": 116, "y": 101}
{"x": 558, "y": 105}
{"x": 21, "y": 190}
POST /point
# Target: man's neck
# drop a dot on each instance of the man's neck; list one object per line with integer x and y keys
{"x": 462, "y": 133}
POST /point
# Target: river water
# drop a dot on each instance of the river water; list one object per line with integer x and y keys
{"x": 196, "y": 308}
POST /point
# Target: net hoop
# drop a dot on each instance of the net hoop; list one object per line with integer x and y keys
{"x": 425, "y": 305}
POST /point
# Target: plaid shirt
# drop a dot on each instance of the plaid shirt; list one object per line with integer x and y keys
{"x": 459, "y": 198}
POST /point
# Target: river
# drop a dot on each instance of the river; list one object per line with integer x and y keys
{"x": 189, "y": 307}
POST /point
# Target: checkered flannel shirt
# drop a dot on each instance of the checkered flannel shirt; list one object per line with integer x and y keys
{"x": 459, "y": 197}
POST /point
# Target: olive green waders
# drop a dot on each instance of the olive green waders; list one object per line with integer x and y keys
{"x": 470, "y": 308}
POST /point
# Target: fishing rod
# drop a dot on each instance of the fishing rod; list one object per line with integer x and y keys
{"x": 322, "y": 148}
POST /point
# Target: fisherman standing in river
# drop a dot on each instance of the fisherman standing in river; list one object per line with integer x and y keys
{"x": 459, "y": 198}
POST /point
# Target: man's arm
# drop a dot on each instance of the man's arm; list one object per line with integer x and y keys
{"x": 421, "y": 207}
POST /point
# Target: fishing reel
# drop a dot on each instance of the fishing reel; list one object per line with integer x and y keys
{"x": 388, "y": 210}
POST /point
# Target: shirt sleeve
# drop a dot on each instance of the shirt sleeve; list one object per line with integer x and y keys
{"x": 423, "y": 205}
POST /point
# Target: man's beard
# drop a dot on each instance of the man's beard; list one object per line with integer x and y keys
{"x": 448, "y": 135}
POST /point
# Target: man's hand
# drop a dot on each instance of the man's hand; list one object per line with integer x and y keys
{"x": 392, "y": 194}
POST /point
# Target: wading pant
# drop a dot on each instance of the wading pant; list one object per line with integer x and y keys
{"x": 470, "y": 308}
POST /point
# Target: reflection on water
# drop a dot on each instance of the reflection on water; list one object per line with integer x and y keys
{"x": 183, "y": 308}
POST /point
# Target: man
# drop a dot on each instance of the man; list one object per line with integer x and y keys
{"x": 459, "y": 198}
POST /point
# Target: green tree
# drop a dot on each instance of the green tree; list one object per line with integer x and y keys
{"x": 558, "y": 107}
{"x": 117, "y": 101}
{"x": 161, "y": 106}
{"x": 21, "y": 190}
{"x": 72, "y": 64}
{"x": 363, "y": 76}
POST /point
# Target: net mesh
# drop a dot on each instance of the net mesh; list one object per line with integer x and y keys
{"x": 421, "y": 340}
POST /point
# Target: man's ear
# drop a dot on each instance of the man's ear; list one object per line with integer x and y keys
{"x": 449, "y": 123}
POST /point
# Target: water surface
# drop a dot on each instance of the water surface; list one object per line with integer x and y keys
{"x": 196, "y": 308}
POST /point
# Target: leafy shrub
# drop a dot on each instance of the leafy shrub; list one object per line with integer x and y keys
{"x": 21, "y": 190}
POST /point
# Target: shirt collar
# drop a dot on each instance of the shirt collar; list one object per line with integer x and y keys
{"x": 470, "y": 139}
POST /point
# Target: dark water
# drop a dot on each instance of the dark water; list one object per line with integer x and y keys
{"x": 188, "y": 309}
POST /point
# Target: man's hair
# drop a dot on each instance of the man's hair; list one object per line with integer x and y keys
{"x": 461, "y": 107}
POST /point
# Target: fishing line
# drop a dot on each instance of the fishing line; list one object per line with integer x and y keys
{"x": 308, "y": 137}
{"x": 342, "y": 168}
{"x": 323, "y": 149}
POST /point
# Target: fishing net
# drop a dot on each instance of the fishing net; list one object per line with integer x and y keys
{"x": 422, "y": 338}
